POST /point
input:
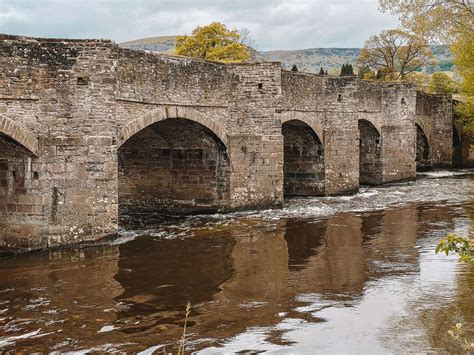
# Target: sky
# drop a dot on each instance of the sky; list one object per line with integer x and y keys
{"x": 273, "y": 24}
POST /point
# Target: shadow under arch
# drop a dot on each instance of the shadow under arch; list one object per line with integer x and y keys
{"x": 172, "y": 165}
{"x": 303, "y": 167}
{"x": 370, "y": 154}
{"x": 457, "y": 148}
{"x": 19, "y": 195}
{"x": 423, "y": 154}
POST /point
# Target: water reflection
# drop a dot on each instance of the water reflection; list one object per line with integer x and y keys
{"x": 351, "y": 282}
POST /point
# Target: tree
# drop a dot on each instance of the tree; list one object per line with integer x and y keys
{"x": 421, "y": 80}
{"x": 343, "y": 70}
{"x": 442, "y": 20}
{"x": 321, "y": 71}
{"x": 450, "y": 22}
{"x": 350, "y": 70}
{"x": 463, "y": 51}
{"x": 394, "y": 54}
{"x": 246, "y": 38}
{"x": 295, "y": 68}
{"x": 363, "y": 71}
{"x": 441, "y": 83}
{"x": 213, "y": 42}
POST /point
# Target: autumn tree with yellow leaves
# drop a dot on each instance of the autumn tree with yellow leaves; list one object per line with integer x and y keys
{"x": 444, "y": 21}
{"x": 213, "y": 42}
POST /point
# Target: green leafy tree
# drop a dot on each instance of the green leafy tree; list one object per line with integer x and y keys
{"x": 295, "y": 68}
{"x": 213, "y": 42}
{"x": 441, "y": 83}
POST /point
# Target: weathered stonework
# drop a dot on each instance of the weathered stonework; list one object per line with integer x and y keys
{"x": 88, "y": 130}
{"x": 434, "y": 122}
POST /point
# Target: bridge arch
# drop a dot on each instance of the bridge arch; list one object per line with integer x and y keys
{"x": 423, "y": 151}
{"x": 303, "y": 163}
{"x": 316, "y": 126}
{"x": 370, "y": 153}
{"x": 19, "y": 134}
{"x": 165, "y": 112}
{"x": 173, "y": 164}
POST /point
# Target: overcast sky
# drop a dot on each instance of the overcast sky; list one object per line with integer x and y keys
{"x": 274, "y": 24}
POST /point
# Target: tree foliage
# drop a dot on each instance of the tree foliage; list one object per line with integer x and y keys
{"x": 394, "y": 54}
{"x": 347, "y": 70}
{"x": 294, "y": 68}
{"x": 322, "y": 72}
{"x": 213, "y": 42}
{"x": 441, "y": 83}
{"x": 442, "y": 20}
{"x": 450, "y": 22}
{"x": 455, "y": 244}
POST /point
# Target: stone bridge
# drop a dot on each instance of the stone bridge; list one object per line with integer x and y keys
{"x": 89, "y": 130}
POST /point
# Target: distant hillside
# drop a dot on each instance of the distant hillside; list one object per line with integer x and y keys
{"x": 307, "y": 60}
{"x": 155, "y": 44}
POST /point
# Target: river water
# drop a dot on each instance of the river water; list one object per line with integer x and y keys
{"x": 350, "y": 274}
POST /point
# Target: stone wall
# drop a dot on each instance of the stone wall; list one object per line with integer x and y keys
{"x": 434, "y": 115}
{"x": 333, "y": 106}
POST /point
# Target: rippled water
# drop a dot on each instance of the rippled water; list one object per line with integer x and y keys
{"x": 349, "y": 274}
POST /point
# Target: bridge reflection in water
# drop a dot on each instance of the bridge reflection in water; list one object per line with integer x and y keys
{"x": 267, "y": 279}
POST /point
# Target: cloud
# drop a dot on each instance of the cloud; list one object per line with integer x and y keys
{"x": 274, "y": 24}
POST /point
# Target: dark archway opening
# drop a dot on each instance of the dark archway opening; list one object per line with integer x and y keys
{"x": 457, "y": 149}
{"x": 175, "y": 166}
{"x": 303, "y": 166}
{"x": 20, "y": 210}
{"x": 370, "y": 154}
{"x": 423, "y": 161}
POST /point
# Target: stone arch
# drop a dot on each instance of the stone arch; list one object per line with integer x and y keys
{"x": 165, "y": 112}
{"x": 423, "y": 151}
{"x": 19, "y": 134}
{"x": 303, "y": 159}
{"x": 370, "y": 153}
{"x": 173, "y": 165}
{"x": 316, "y": 126}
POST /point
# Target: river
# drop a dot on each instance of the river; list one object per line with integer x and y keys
{"x": 348, "y": 274}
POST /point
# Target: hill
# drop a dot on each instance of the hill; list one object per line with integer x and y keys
{"x": 162, "y": 44}
{"x": 307, "y": 60}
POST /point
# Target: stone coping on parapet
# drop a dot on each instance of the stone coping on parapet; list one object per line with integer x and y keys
{"x": 349, "y": 78}
{"x": 112, "y": 44}
{"x": 5, "y": 36}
